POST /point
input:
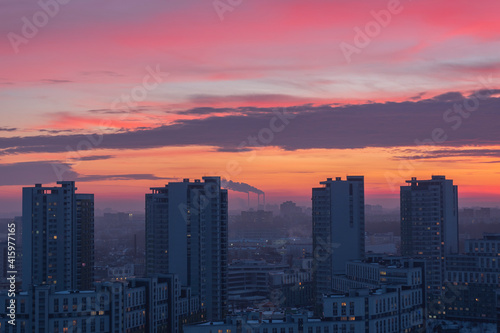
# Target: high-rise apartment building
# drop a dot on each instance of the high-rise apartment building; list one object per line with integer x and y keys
{"x": 58, "y": 237}
{"x": 186, "y": 234}
{"x": 338, "y": 228}
{"x": 429, "y": 228}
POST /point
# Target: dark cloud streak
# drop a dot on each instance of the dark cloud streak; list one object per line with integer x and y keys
{"x": 331, "y": 127}
{"x": 46, "y": 172}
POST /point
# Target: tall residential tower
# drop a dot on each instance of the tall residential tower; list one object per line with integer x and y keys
{"x": 338, "y": 210}
{"x": 186, "y": 234}
{"x": 429, "y": 228}
{"x": 58, "y": 237}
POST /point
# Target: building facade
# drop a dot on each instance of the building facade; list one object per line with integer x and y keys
{"x": 429, "y": 229}
{"x": 372, "y": 275}
{"x": 388, "y": 309}
{"x": 186, "y": 234}
{"x": 338, "y": 228}
{"x": 58, "y": 237}
{"x": 497, "y": 296}
{"x": 472, "y": 280}
{"x": 137, "y": 306}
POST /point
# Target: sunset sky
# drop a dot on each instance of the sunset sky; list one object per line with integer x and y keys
{"x": 123, "y": 95}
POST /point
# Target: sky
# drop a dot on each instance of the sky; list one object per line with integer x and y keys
{"x": 126, "y": 95}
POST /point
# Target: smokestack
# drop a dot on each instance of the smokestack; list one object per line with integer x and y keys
{"x": 264, "y": 200}
{"x": 239, "y": 187}
{"x": 244, "y": 188}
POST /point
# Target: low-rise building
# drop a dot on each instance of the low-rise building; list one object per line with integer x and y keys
{"x": 374, "y": 273}
{"x": 248, "y": 281}
{"x": 149, "y": 305}
{"x": 291, "y": 288}
{"x": 389, "y": 309}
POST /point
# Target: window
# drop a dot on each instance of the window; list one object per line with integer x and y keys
{"x": 335, "y": 309}
{"x": 65, "y": 304}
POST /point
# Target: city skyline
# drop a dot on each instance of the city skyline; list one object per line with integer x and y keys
{"x": 273, "y": 95}
{"x": 246, "y": 198}
{"x": 232, "y": 166}
{"x": 189, "y": 264}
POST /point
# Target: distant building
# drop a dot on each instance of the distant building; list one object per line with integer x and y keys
{"x": 478, "y": 215}
{"x": 483, "y": 213}
{"x": 429, "y": 228}
{"x": 292, "y": 289}
{"x": 472, "y": 280}
{"x": 186, "y": 234}
{"x": 248, "y": 281}
{"x": 374, "y": 209}
{"x": 256, "y": 217}
{"x": 254, "y": 281}
{"x": 289, "y": 209}
{"x": 58, "y": 237}
{"x": 338, "y": 228}
{"x": 254, "y": 224}
{"x": 121, "y": 273}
